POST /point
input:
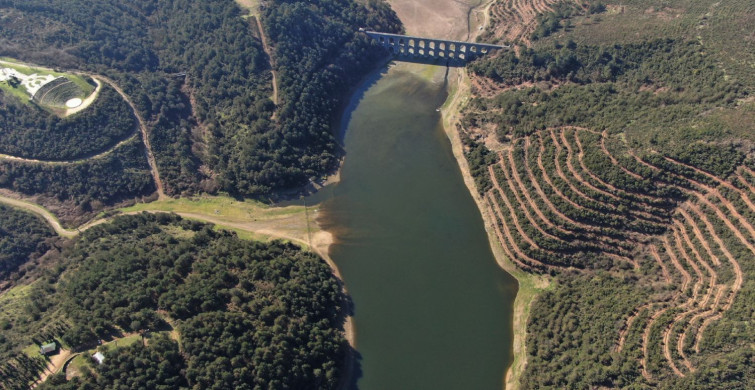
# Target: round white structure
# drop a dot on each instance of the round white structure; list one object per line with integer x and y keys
{"x": 73, "y": 103}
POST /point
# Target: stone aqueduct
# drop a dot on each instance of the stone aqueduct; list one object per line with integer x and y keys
{"x": 410, "y": 46}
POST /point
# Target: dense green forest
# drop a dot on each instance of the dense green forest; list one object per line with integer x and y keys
{"x": 219, "y": 115}
{"x": 88, "y": 186}
{"x": 249, "y": 314}
{"x": 30, "y": 132}
{"x": 21, "y": 235}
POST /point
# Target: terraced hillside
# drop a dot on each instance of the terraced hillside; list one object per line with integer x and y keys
{"x": 626, "y": 171}
{"x": 515, "y": 20}
{"x": 562, "y": 200}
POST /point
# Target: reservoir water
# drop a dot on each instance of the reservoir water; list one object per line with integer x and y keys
{"x": 432, "y": 307}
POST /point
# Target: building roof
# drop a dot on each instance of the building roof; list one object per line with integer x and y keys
{"x": 47, "y": 348}
{"x": 99, "y": 357}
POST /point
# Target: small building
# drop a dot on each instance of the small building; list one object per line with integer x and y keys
{"x": 98, "y": 357}
{"x": 44, "y": 349}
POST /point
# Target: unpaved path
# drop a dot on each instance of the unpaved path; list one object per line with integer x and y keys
{"x": 645, "y": 342}
{"x": 657, "y": 257}
{"x": 611, "y": 187}
{"x": 48, "y": 216}
{"x": 145, "y": 135}
{"x": 269, "y": 53}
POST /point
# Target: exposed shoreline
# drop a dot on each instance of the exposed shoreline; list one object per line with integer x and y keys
{"x": 529, "y": 285}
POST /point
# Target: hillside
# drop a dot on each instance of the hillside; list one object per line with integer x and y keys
{"x": 202, "y": 90}
{"x": 613, "y": 151}
{"x": 240, "y": 312}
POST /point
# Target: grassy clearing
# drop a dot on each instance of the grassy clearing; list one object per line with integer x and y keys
{"x": 118, "y": 343}
{"x": 76, "y": 366}
{"x": 12, "y": 301}
{"x": 253, "y": 6}
{"x": 249, "y": 219}
{"x": 219, "y": 207}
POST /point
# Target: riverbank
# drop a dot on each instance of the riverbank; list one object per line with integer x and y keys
{"x": 529, "y": 285}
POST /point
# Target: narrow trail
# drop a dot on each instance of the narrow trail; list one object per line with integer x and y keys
{"x": 649, "y": 218}
{"x": 563, "y": 177}
{"x": 699, "y": 298}
{"x": 609, "y": 251}
{"x": 738, "y": 275}
{"x": 667, "y": 352}
{"x": 724, "y": 183}
{"x": 145, "y": 135}
{"x": 708, "y": 320}
{"x": 700, "y": 237}
{"x": 514, "y": 217}
{"x": 686, "y": 278}
{"x": 645, "y": 342}
{"x": 613, "y": 159}
{"x": 574, "y": 172}
{"x": 538, "y": 189}
{"x": 269, "y": 53}
{"x": 664, "y": 270}
{"x": 99, "y": 155}
{"x": 682, "y": 229}
{"x": 700, "y": 278}
{"x": 525, "y": 192}
{"x": 49, "y": 217}
{"x": 744, "y": 181}
{"x": 559, "y": 172}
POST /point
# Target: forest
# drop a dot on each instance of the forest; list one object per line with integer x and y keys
{"x": 246, "y": 311}
{"x": 22, "y": 235}
{"x": 216, "y": 127}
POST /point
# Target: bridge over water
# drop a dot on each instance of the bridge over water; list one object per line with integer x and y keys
{"x": 412, "y": 47}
